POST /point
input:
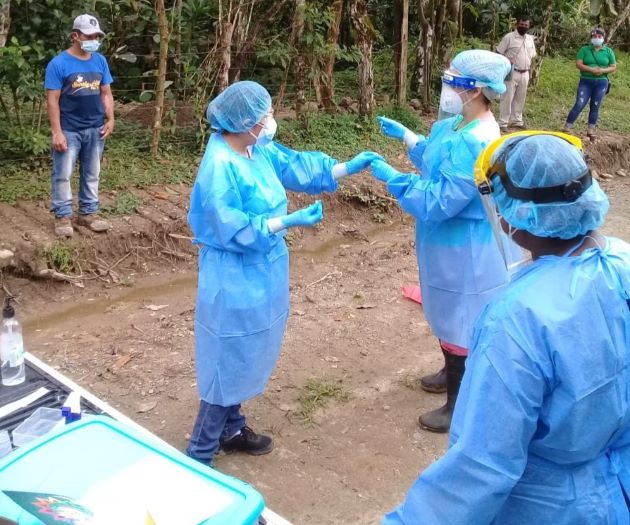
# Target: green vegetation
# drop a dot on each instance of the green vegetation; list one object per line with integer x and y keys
{"x": 128, "y": 163}
{"x": 316, "y": 394}
{"x": 60, "y": 256}
{"x": 123, "y": 204}
{"x": 549, "y": 103}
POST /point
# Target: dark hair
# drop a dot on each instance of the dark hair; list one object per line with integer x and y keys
{"x": 598, "y": 31}
{"x": 523, "y": 18}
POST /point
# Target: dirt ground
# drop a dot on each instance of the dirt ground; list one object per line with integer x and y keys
{"x": 127, "y": 335}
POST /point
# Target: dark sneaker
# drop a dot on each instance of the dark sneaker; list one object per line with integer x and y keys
{"x": 249, "y": 442}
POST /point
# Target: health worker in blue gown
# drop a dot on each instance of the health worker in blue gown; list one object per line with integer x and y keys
{"x": 459, "y": 263}
{"x": 541, "y": 428}
{"x": 238, "y": 216}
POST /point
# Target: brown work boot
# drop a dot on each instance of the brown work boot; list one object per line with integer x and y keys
{"x": 93, "y": 222}
{"x": 63, "y": 227}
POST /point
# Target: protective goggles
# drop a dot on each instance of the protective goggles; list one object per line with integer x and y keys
{"x": 456, "y": 81}
{"x": 486, "y": 170}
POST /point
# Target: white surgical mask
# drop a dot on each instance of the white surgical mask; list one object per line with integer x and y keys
{"x": 90, "y": 46}
{"x": 597, "y": 42}
{"x": 451, "y": 103}
{"x": 267, "y": 133}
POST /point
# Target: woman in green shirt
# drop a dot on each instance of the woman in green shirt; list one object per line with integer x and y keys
{"x": 595, "y": 61}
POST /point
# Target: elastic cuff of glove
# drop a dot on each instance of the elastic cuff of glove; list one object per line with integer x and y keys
{"x": 339, "y": 171}
{"x": 275, "y": 224}
{"x": 410, "y": 139}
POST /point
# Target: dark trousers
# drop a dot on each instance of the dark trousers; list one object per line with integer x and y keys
{"x": 214, "y": 422}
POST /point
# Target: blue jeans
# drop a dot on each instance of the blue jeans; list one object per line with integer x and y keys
{"x": 86, "y": 146}
{"x": 593, "y": 89}
{"x": 213, "y": 423}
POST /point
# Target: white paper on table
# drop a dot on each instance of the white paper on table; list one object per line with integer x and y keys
{"x": 157, "y": 487}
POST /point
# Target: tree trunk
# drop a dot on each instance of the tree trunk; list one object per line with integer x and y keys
{"x": 440, "y": 11}
{"x": 449, "y": 32}
{"x": 401, "y": 42}
{"x": 242, "y": 24}
{"x": 224, "y": 55}
{"x": 417, "y": 78}
{"x": 621, "y": 18}
{"x": 248, "y": 46}
{"x": 460, "y": 20}
{"x": 296, "y": 33}
{"x": 5, "y": 21}
{"x": 299, "y": 71}
{"x": 327, "y": 84}
{"x": 365, "y": 39}
{"x": 161, "y": 76}
{"x": 544, "y": 37}
{"x": 427, "y": 46}
{"x": 177, "y": 59}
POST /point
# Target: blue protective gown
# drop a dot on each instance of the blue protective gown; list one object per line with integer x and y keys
{"x": 460, "y": 265}
{"x": 541, "y": 425}
{"x": 243, "y": 290}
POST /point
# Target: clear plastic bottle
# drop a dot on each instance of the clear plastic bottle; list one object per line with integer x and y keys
{"x": 11, "y": 347}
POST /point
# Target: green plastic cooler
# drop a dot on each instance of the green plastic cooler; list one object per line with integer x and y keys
{"x": 99, "y": 471}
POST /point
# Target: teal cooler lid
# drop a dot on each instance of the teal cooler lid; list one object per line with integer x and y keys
{"x": 108, "y": 471}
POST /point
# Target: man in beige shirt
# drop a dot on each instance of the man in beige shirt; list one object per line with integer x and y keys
{"x": 519, "y": 49}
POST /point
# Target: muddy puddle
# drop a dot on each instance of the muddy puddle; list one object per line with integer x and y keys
{"x": 94, "y": 307}
{"x": 159, "y": 292}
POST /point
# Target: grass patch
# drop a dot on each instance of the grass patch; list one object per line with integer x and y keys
{"x": 548, "y": 104}
{"x": 316, "y": 394}
{"x": 61, "y": 257}
{"x": 342, "y": 136}
{"x": 123, "y": 204}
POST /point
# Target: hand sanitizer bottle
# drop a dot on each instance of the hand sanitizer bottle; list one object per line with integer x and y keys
{"x": 11, "y": 347}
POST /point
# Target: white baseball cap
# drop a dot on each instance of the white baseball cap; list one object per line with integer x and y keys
{"x": 87, "y": 24}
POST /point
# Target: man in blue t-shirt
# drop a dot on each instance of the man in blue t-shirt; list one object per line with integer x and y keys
{"x": 81, "y": 113}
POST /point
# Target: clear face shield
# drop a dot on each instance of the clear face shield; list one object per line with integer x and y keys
{"x": 451, "y": 103}
{"x": 488, "y": 168}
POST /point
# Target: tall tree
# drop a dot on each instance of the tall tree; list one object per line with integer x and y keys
{"x": 5, "y": 20}
{"x": 365, "y": 41}
{"x": 401, "y": 41}
{"x": 300, "y": 58}
{"x": 160, "y": 87}
{"x": 248, "y": 45}
{"x": 622, "y": 17}
{"x": 544, "y": 39}
{"x": 332, "y": 42}
{"x": 296, "y": 33}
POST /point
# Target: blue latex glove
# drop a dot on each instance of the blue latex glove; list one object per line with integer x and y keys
{"x": 391, "y": 128}
{"x": 383, "y": 171}
{"x": 361, "y": 161}
{"x": 305, "y": 217}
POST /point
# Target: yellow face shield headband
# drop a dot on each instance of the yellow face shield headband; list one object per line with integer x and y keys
{"x": 485, "y": 170}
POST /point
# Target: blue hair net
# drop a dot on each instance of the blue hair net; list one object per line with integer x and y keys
{"x": 239, "y": 107}
{"x": 540, "y": 161}
{"x": 484, "y": 66}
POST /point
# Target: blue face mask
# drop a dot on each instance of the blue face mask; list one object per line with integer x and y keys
{"x": 90, "y": 46}
{"x": 597, "y": 42}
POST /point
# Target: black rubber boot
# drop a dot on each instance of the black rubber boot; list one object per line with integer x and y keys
{"x": 439, "y": 420}
{"x": 249, "y": 442}
{"x": 435, "y": 383}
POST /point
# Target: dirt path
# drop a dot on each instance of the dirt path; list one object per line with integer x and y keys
{"x": 347, "y": 462}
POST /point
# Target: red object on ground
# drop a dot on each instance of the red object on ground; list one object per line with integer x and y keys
{"x": 412, "y": 292}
